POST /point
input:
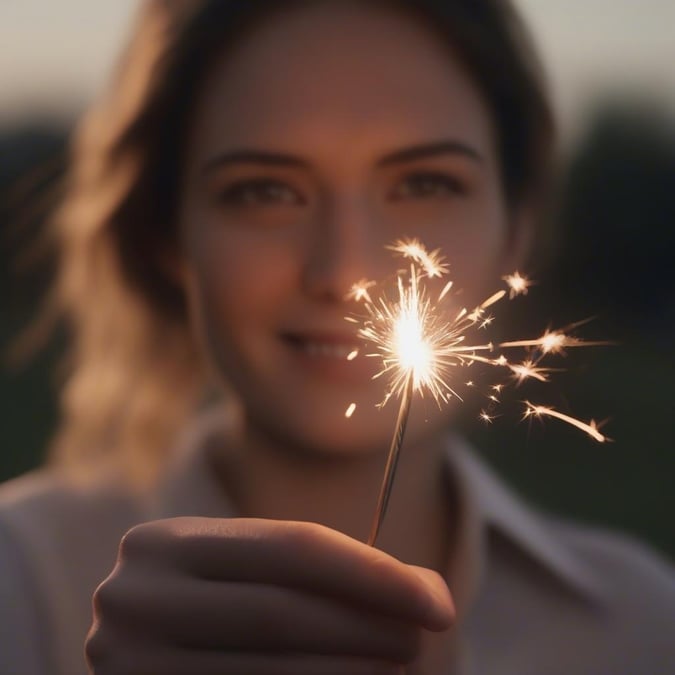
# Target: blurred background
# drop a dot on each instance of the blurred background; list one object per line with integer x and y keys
{"x": 610, "y": 64}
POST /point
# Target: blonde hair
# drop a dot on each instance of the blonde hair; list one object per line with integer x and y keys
{"x": 133, "y": 374}
{"x": 133, "y": 369}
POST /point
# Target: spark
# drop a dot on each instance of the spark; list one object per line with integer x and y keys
{"x": 352, "y": 355}
{"x": 350, "y": 410}
{"x": 446, "y": 290}
{"x": 495, "y": 297}
{"x": 486, "y": 417}
{"x": 487, "y": 321}
{"x": 359, "y": 290}
{"x": 553, "y": 342}
{"x": 421, "y": 343}
{"x": 413, "y": 340}
{"x": 431, "y": 262}
{"x": 420, "y": 340}
{"x": 591, "y": 428}
{"x": 526, "y": 369}
{"x": 517, "y": 283}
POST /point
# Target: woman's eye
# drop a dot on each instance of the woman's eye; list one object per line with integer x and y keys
{"x": 259, "y": 192}
{"x": 428, "y": 185}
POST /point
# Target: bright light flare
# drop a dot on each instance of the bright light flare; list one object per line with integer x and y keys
{"x": 413, "y": 341}
{"x": 414, "y": 353}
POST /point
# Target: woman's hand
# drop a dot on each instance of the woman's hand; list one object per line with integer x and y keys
{"x": 197, "y": 596}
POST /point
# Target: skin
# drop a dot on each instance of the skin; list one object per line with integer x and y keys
{"x": 313, "y": 145}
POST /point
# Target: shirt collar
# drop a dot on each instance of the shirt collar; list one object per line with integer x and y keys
{"x": 488, "y": 504}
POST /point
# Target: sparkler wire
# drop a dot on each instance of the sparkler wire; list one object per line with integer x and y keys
{"x": 392, "y": 460}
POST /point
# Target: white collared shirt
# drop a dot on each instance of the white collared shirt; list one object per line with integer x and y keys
{"x": 535, "y": 595}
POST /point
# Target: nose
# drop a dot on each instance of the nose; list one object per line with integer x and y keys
{"x": 344, "y": 248}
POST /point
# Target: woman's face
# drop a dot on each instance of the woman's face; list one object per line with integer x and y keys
{"x": 329, "y": 132}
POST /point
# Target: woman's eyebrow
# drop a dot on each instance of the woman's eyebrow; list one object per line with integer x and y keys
{"x": 445, "y": 147}
{"x": 245, "y": 156}
{"x": 262, "y": 157}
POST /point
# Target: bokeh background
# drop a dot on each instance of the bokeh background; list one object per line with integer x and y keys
{"x": 610, "y": 64}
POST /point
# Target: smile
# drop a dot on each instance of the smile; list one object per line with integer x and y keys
{"x": 335, "y": 351}
{"x": 338, "y": 347}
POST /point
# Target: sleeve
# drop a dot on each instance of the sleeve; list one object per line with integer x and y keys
{"x": 22, "y": 638}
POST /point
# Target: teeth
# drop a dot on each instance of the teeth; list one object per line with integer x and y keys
{"x": 335, "y": 351}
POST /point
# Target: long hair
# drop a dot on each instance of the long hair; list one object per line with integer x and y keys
{"x": 133, "y": 369}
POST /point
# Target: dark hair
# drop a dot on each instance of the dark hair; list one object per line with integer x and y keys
{"x": 132, "y": 350}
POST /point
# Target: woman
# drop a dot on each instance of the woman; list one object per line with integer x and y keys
{"x": 249, "y": 164}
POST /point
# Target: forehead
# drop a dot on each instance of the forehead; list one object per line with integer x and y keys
{"x": 339, "y": 74}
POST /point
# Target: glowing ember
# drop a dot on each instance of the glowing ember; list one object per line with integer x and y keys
{"x": 517, "y": 284}
{"x": 350, "y": 410}
{"x": 359, "y": 290}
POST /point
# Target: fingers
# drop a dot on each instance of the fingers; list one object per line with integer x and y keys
{"x": 437, "y": 587}
{"x": 249, "y": 596}
{"x": 252, "y": 617}
{"x": 305, "y": 556}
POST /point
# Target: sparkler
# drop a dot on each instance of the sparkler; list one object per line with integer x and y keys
{"x": 418, "y": 346}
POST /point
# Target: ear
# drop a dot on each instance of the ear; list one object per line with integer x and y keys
{"x": 521, "y": 237}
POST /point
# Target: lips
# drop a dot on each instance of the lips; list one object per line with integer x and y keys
{"x": 324, "y": 345}
{"x": 336, "y": 356}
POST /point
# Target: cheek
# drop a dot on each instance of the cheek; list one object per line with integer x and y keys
{"x": 237, "y": 273}
{"x": 236, "y": 286}
{"x": 475, "y": 248}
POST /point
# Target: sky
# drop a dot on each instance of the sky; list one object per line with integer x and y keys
{"x": 56, "y": 54}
